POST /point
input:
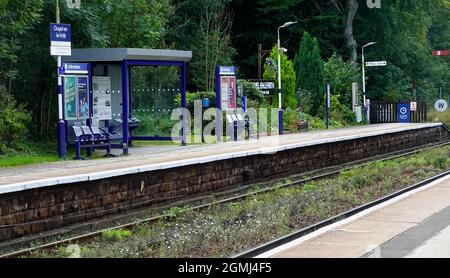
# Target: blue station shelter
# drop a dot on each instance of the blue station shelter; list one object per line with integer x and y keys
{"x": 114, "y": 65}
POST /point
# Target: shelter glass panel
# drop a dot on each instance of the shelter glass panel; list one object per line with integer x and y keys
{"x": 155, "y": 94}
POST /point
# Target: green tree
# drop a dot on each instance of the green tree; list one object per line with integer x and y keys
{"x": 287, "y": 78}
{"x": 13, "y": 123}
{"x": 138, "y": 23}
{"x": 341, "y": 75}
{"x": 17, "y": 18}
{"x": 28, "y": 71}
{"x": 205, "y": 28}
{"x": 310, "y": 74}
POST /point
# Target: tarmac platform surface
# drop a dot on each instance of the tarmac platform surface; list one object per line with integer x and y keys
{"x": 147, "y": 159}
{"x": 415, "y": 225}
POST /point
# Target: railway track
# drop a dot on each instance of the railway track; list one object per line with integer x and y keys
{"x": 303, "y": 232}
{"x": 272, "y": 186}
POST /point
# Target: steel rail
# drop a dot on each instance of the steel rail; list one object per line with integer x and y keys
{"x": 303, "y": 232}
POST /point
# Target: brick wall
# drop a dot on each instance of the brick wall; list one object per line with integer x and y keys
{"x": 72, "y": 203}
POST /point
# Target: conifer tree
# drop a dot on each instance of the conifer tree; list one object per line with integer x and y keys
{"x": 310, "y": 75}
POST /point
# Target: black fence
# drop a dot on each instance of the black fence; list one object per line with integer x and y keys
{"x": 382, "y": 112}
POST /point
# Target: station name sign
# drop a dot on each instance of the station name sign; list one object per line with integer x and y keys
{"x": 376, "y": 64}
{"x": 61, "y": 39}
{"x": 267, "y": 87}
{"x": 75, "y": 68}
{"x": 227, "y": 70}
{"x": 441, "y": 52}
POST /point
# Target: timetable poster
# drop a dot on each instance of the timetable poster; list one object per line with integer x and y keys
{"x": 70, "y": 97}
{"x": 102, "y": 98}
{"x": 83, "y": 98}
{"x": 225, "y": 95}
{"x": 232, "y": 92}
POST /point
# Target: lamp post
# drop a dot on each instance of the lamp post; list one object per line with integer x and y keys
{"x": 280, "y": 95}
{"x": 364, "y": 76}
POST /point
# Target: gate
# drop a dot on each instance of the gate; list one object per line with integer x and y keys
{"x": 382, "y": 112}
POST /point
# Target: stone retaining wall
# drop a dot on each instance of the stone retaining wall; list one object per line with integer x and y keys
{"x": 67, "y": 204}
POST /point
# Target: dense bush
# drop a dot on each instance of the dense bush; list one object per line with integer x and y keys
{"x": 293, "y": 117}
{"x": 251, "y": 92}
{"x": 341, "y": 75}
{"x": 288, "y": 78}
{"x": 338, "y": 112}
{"x": 13, "y": 123}
{"x": 192, "y": 97}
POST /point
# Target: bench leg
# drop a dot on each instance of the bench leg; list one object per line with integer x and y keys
{"x": 77, "y": 150}
{"x": 108, "y": 151}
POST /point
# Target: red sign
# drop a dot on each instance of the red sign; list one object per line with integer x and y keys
{"x": 232, "y": 91}
{"x": 441, "y": 52}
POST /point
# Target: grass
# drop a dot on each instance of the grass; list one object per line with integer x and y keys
{"x": 30, "y": 153}
{"x": 36, "y": 153}
{"x": 438, "y": 117}
{"x": 226, "y": 229}
{"x": 9, "y": 161}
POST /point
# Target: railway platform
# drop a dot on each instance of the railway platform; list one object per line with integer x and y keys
{"x": 65, "y": 193}
{"x": 413, "y": 225}
{"x": 144, "y": 159}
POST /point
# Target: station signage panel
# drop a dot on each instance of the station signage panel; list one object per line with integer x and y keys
{"x": 75, "y": 68}
{"x": 441, "y": 52}
{"x": 404, "y": 113}
{"x": 266, "y": 87}
{"x": 61, "y": 39}
{"x": 226, "y": 87}
{"x": 376, "y": 64}
{"x": 441, "y": 105}
{"x": 227, "y": 71}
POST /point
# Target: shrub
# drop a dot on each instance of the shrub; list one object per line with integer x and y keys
{"x": 288, "y": 78}
{"x": 116, "y": 235}
{"x": 341, "y": 76}
{"x": 192, "y": 97}
{"x": 338, "y": 111}
{"x": 251, "y": 92}
{"x": 14, "y": 120}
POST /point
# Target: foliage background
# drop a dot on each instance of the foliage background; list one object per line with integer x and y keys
{"x": 227, "y": 32}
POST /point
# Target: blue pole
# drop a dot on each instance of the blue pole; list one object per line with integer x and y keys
{"x": 62, "y": 141}
{"x": 328, "y": 104}
{"x": 219, "y": 124}
{"x": 184, "y": 103}
{"x": 281, "y": 121}
{"x": 125, "y": 108}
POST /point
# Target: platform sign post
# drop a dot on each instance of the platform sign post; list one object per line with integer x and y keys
{"x": 61, "y": 45}
{"x": 404, "y": 113}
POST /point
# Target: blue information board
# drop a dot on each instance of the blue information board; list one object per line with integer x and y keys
{"x": 404, "y": 113}
{"x": 60, "y": 34}
{"x": 75, "y": 68}
{"x": 223, "y": 70}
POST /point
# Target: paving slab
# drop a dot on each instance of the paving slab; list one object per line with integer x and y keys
{"x": 144, "y": 159}
{"x": 407, "y": 225}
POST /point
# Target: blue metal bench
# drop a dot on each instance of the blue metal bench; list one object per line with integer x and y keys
{"x": 91, "y": 139}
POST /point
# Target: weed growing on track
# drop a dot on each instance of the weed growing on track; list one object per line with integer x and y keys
{"x": 226, "y": 229}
